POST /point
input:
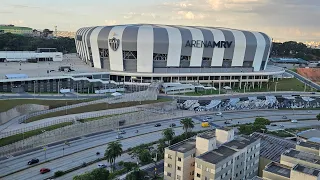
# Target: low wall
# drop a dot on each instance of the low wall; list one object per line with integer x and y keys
{"x": 81, "y": 129}
{"x": 20, "y": 110}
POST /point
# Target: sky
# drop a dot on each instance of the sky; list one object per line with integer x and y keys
{"x": 283, "y": 20}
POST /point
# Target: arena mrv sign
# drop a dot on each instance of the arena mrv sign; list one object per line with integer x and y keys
{"x": 208, "y": 44}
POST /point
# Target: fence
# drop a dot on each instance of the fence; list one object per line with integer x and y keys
{"x": 150, "y": 94}
{"x": 80, "y": 129}
{"x": 68, "y": 119}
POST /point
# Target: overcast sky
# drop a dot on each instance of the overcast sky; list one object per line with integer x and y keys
{"x": 283, "y": 20}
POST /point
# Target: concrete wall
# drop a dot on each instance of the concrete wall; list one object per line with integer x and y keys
{"x": 20, "y": 110}
{"x": 80, "y": 129}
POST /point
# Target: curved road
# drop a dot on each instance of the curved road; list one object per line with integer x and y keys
{"x": 84, "y": 149}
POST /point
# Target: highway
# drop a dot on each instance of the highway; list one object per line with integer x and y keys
{"x": 304, "y": 79}
{"x": 86, "y": 147}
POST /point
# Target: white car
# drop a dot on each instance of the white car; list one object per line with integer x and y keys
{"x": 102, "y": 165}
{"x": 119, "y": 137}
{"x": 219, "y": 114}
{"x": 294, "y": 121}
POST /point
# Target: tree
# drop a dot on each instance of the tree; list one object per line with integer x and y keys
{"x": 136, "y": 175}
{"x": 142, "y": 153}
{"x": 113, "y": 151}
{"x": 318, "y": 117}
{"x": 187, "y": 124}
{"x": 96, "y": 174}
{"x": 160, "y": 148}
{"x": 168, "y": 134}
{"x": 261, "y": 121}
{"x": 128, "y": 166}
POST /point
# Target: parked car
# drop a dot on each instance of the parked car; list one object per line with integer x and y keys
{"x": 44, "y": 170}
{"x": 122, "y": 132}
{"x": 33, "y": 161}
{"x": 173, "y": 125}
{"x": 157, "y": 125}
{"x": 102, "y": 165}
{"x": 119, "y": 137}
{"x": 219, "y": 114}
{"x": 284, "y": 117}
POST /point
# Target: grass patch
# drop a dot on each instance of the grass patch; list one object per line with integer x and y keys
{"x": 202, "y": 93}
{"x": 102, "y": 117}
{"x": 280, "y": 133}
{"x": 93, "y": 107}
{"x": 5, "y": 105}
{"x": 291, "y": 84}
{"x": 19, "y": 137}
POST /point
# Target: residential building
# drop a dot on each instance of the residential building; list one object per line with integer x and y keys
{"x": 15, "y": 29}
{"x": 308, "y": 146}
{"x": 179, "y": 158}
{"x": 237, "y": 159}
{"x": 292, "y": 157}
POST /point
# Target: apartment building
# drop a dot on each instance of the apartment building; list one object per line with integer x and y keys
{"x": 234, "y": 160}
{"x": 212, "y": 155}
{"x": 277, "y": 171}
{"x": 296, "y": 164}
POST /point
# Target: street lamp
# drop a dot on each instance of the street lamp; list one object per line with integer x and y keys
{"x": 275, "y": 87}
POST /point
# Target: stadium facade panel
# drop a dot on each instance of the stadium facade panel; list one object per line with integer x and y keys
{"x": 145, "y": 48}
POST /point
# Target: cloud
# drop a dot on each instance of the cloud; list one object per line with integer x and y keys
{"x": 134, "y": 15}
{"x": 17, "y": 22}
{"x": 110, "y": 22}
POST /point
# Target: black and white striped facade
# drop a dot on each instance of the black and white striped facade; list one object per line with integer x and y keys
{"x": 162, "y": 50}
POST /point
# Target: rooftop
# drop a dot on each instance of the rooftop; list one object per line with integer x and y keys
{"x": 184, "y": 146}
{"x": 279, "y": 169}
{"x": 208, "y": 135}
{"x": 217, "y": 155}
{"x": 309, "y": 133}
{"x": 308, "y": 144}
{"x": 309, "y": 157}
{"x": 240, "y": 142}
{"x": 306, "y": 170}
{"x": 257, "y": 178}
{"x": 271, "y": 147}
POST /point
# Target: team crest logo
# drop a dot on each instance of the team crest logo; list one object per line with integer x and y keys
{"x": 114, "y": 43}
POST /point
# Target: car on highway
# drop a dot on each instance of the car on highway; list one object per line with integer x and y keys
{"x": 219, "y": 114}
{"x": 157, "y": 125}
{"x": 294, "y": 121}
{"x": 284, "y": 117}
{"x": 173, "y": 125}
{"x": 33, "y": 161}
{"x": 273, "y": 125}
{"x": 227, "y": 122}
{"x": 44, "y": 170}
{"x": 84, "y": 164}
{"x": 122, "y": 132}
{"x": 282, "y": 126}
{"x": 208, "y": 117}
{"x": 102, "y": 165}
{"x": 119, "y": 137}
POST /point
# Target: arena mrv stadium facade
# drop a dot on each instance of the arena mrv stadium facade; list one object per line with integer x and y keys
{"x": 145, "y": 53}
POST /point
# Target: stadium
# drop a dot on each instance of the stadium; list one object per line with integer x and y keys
{"x": 147, "y": 53}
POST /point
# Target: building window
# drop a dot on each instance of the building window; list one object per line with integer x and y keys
{"x": 178, "y": 177}
{"x": 199, "y": 166}
{"x": 179, "y": 159}
{"x": 192, "y": 173}
{"x": 192, "y": 164}
{"x": 169, "y": 165}
{"x": 206, "y": 178}
{"x": 236, "y": 174}
{"x": 168, "y": 174}
{"x": 179, "y": 168}
{"x": 198, "y": 175}
{"x": 169, "y": 156}
{"x": 240, "y": 172}
{"x": 207, "y": 169}
{"x": 193, "y": 155}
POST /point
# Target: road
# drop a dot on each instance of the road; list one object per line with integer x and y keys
{"x": 98, "y": 142}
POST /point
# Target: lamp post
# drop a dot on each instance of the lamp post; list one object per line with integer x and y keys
{"x": 275, "y": 87}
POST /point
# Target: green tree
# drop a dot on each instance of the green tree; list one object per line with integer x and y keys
{"x": 318, "y": 117}
{"x": 160, "y": 148}
{"x": 136, "y": 175}
{"x": 113, "y": 151}
{"x": 128, "y": 166}
{"x": 261, "y": 121}
{"x": 187, "y": 124}
{"x": 168, "y": 134}
{"x": 96, "y": 174}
